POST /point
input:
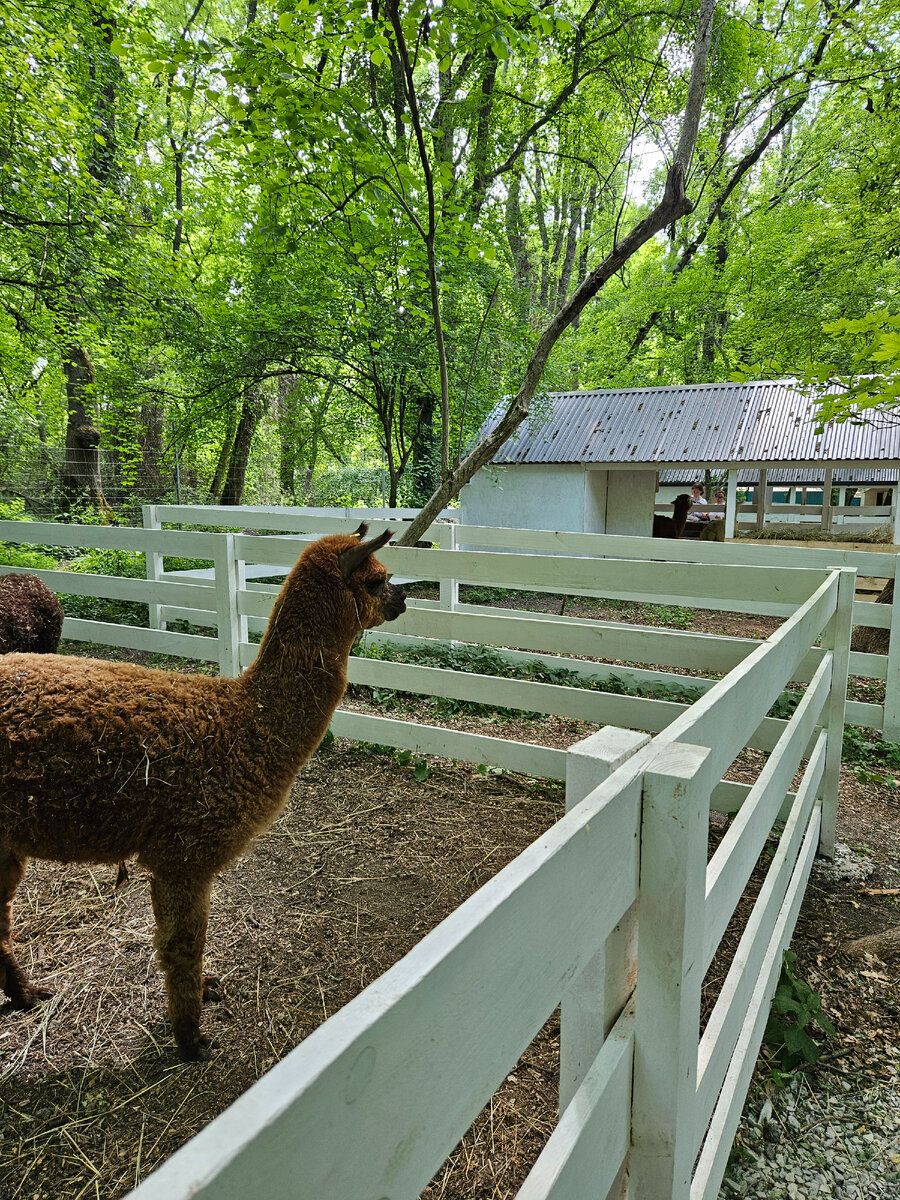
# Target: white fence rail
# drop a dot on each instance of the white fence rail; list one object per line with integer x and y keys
{"x": 230, "y": 610}
{"x": 372, "y": 1103}
{"x": 689, "y": 587}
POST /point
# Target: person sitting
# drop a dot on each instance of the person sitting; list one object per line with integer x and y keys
{"x": 697, "y": 498}
{"x": 718, "y": 514}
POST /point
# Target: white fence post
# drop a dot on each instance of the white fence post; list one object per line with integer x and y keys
{"x": 674, "y": 826}
{"x": 449, "y": 588}
{"x": 229, "y": 577}
{"x": 891, "y": 723}
{"x": 596, "y": 998}
{"x": 731, "y": 504}
{"x": 836, "y": 638}
{"x": 154, "y": 564}
{"x": 827, "y": 510}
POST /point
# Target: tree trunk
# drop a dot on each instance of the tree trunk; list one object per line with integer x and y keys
{"x": 215, "y": 488}
{"x": 81, "y": 474}
{"x": 252, "y": 411}
{"x": 150, "y": 437}
{"x": 426, "y": 453}
{"x": 884, "y": 945}
{"x": 288, "y": 435}
{"x": 868, "y": 640}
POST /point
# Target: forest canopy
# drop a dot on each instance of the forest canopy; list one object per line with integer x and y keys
{"x": 294, "y": 253}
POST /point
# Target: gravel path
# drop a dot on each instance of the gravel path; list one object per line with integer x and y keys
{"x": 819, "y": 1138}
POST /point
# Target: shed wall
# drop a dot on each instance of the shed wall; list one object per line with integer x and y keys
{"x": 536, "y": 496}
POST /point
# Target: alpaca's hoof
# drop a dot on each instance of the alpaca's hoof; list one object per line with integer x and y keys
{"x": 35, "y": 996}
{"x": 193, "y": 1046}
{"x": 27, "y": 996}
{"x": 213, "y": 992}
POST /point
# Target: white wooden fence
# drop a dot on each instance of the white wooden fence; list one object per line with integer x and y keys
{"x": 372, "y": 1103}
{"x": 694, "y": 650}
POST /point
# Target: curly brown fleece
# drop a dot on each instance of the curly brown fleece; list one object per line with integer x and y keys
{"x": 31, "y": 617}
{"x": 100, "y": 761}
{"x": 673, "y": 527}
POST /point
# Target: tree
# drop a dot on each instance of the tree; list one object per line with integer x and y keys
{"x": 672, "y": 205}
{"x": 780, "y": 239}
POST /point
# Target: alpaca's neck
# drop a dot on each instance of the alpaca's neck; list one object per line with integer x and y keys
{"x": 298, "y": 677}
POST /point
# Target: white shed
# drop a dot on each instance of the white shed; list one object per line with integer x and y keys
{"x": 590, "y": 461}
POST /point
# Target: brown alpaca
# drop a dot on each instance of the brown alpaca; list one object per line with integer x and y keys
{"x": 100, "y": 761}
{"x": 31, "y": 617}
{"x": 713, "y": 532}
{"x": 673, "y": 527}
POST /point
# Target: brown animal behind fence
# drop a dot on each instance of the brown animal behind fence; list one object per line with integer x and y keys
{"x": 673, "y": 527}
{"x": 31, "y": 616}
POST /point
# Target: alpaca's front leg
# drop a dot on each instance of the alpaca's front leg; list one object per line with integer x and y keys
{"x": 12, "y": 977}
{"x": 181, "y": 909}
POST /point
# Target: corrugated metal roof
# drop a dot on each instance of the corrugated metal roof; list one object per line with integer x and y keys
{"x": 767, "y": 421}
{"x": 746, "y": 477}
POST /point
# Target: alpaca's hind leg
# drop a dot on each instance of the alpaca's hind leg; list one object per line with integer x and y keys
{"x": 181, "y": 908}
{"x": 12, "y": 977}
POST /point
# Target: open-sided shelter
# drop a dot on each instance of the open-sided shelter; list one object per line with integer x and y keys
{"x": 589, "y": 461}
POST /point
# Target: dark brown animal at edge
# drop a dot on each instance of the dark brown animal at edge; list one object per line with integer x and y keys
{"x": 31, "y": 617}
{"x": 100, "y": 761}
{"x": 673, "y": 527}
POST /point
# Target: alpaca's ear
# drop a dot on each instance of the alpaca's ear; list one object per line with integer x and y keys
{"x": 349, "y": 560}
{"x": 361, "y": 532}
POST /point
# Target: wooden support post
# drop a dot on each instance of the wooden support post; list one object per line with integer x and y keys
{"x": 891, "y": 724}
{"x": 836, "y": 638}
{"x": 229, "y": 576}
{"x": 674, "y": 826}
{"x": 895, "y": 521}
{"x": 731, "y": 504}
{"x": 827, "y": 512}
{"x": 762, "y": 491}
{"x": 154, "y": 564}
{"x": 594, "y": 1001}
{"x": 449, "y": 588}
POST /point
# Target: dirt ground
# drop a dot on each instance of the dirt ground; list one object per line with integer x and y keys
{"x": 364, "y": 861}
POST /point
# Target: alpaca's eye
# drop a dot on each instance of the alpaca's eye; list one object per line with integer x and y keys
{"x": 374, "y": 586}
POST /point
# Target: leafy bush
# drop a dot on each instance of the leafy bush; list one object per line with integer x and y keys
{"x": 796, "y": 1012}
{"x": 13, "y": 555}
{"x": 17, "y": 556}
{"x": 345, "y": 487}
{"x": 186, "y": 564}
{"x": 13, "y": 510}
{"x": 125, "y": 564}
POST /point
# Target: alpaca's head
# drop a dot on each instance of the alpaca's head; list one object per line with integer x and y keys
{"x": 681, "y": 504}
{"x": 371, "y": 598}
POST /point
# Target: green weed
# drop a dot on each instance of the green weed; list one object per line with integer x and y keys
{"x": 795, "y": 1015}
{"x": 876, "y": 760}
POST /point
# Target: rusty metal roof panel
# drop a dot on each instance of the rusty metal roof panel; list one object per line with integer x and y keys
{"x": 714, "y": 422}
